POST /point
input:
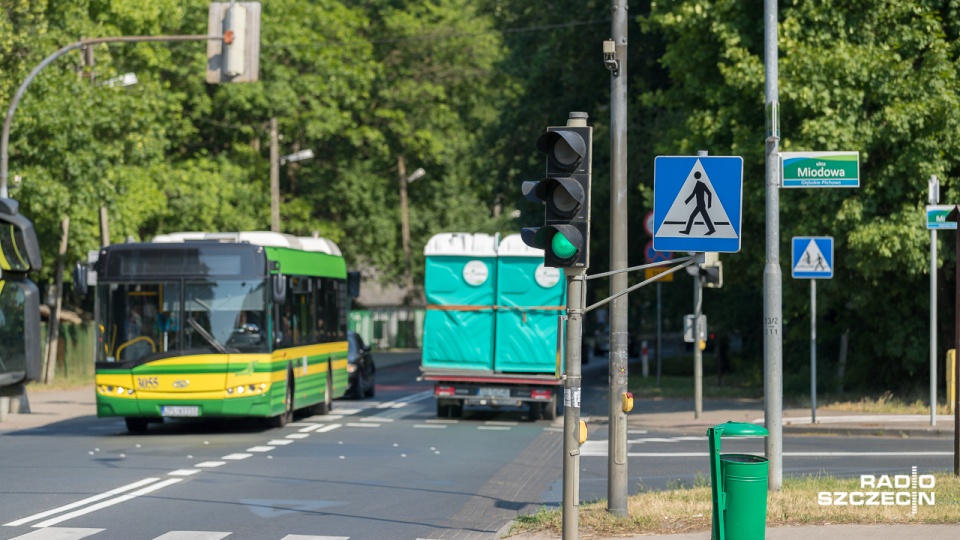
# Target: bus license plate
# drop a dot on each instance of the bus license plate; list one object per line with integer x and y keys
{"x": 494, "y": 392}
{"x": 180, "y": 410}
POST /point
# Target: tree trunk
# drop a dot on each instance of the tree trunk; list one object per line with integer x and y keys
{"x": 53, "y": 324}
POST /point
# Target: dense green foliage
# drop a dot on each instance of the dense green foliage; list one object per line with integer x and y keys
{"x": 462, "y": 88}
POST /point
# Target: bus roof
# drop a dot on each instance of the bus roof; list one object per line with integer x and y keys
{"x": 257, "y": 238}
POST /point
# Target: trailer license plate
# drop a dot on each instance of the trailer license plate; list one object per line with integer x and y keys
{"x": 494, "y": 392}
{"x": 180, "y": 410}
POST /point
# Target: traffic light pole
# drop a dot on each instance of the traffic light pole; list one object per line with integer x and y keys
{"x": 571, "y": 402}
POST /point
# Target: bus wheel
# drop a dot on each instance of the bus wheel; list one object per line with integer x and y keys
{"x": 325, "y": 406}
{"x": 136, "y": 424}
{"x": 286, "y": 416}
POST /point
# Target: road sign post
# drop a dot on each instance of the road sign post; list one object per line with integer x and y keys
{"x": 813, "y": 260}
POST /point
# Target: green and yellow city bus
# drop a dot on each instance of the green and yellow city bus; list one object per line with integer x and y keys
{"x": 205, "y": 325}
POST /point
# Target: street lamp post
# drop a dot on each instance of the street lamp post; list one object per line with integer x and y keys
{"x": 275, "y": 162}
{"x": 405, "y": 219}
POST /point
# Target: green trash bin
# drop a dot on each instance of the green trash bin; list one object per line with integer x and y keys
{"x": 739, "y": 484}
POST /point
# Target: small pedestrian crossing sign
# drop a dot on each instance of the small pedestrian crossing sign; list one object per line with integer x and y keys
{"x": 697, "y": 203}
{"x": 812, "y": 257}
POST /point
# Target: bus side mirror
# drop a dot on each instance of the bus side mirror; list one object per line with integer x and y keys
{"x": 353, "y": 284}
{"x": 18, "y": 240}
{"x": 80, "y": 276}
{"x": 20, "y": 307}
{"x": 279, "y": 288}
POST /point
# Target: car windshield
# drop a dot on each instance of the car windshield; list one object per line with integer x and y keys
{"x": 139, "y": 320}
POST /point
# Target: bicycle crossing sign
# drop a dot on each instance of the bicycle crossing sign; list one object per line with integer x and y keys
{"x": 812, "y": 257}
{"x": 697, "y": 203}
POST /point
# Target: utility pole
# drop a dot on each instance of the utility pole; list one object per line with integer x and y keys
{"x": 405, "y": 225}
{"x": 772, "y": 276}
{"x": 274, "y": 176}
{"x": 619, "y": 332}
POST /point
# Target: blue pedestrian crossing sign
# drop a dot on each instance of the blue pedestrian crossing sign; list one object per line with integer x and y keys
{"x": 697, "y": 203}
{"x": 812, "y": 257}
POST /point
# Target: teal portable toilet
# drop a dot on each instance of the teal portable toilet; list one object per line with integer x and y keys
{"x": 530, "y": 297}
{"x": 460, "y": 288}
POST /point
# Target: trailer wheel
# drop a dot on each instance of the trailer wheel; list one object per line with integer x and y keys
{"x": 550, "y": 408}
{"x": 536, "y": 410}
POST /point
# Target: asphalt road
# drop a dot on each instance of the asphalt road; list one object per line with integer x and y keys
{"x": 373, "y": 469}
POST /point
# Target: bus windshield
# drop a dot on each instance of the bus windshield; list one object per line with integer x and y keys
{"x": 145, "y": 319}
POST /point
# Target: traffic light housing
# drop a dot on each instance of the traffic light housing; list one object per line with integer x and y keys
{"x": 565, "y": 193}
{"x": 19, "y": 297}
{"x": 711, "y": 271}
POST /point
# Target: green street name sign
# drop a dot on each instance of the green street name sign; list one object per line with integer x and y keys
{"x": 819, "y": 169}
{"x": 937, "y": 217}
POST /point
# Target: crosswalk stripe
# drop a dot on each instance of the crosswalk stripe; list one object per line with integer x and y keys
{"x": 193, "y": 535}
{"x": 58, "y": 533}
{"x": 309, "y": 537}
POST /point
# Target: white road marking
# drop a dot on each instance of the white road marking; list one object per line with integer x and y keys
{"x": 495, "y": 423}
{"x": 105, "y": 504}
{"x": 59, "y": 533}
{"x": 210, "y": 464}
{"x": 193, "y": 535}
{"x": 361, "y": 424}
{"x": 260, "y": 449}
{"x": 441, "y": 421}
{"x": 310, "y": 428}
{"x": 298, "y": 435}
{"x": 494, "y": 428}
{"x": 280, "y": 442}
{"x": 88, "y": 500}
{"x": 331, "y": 427}
{"x": 311, "y": 537}
{"x": 236, "y": 457}
{"x": 183, "y": 472}
{"x": 376, "y": 419}
{"x": 430, "y": 426}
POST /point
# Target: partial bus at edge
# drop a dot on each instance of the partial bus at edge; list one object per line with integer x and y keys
{"x": 208, "y": 325}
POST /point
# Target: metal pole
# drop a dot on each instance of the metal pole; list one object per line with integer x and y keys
{"x": 772, "y": 278}
{"x": 571, "y": 403}
{"x": 617, "y": 451}
{"x": 933, "y": 327}
{"x": 933, "y": 197}
{"x": 956, "y": 364}
{"x": 274, "y": 176}
{"x": 5, "y": 136}
{"x": 813, "y": 351}
{"x": 697, "y": 353}
{"x": 405, "y": 228}
{"x": 659, "y": 328}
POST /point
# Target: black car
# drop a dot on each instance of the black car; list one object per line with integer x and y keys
{"x": 361, "y": 368}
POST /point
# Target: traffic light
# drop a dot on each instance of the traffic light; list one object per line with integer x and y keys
{"x": 565, "y": 191}
{"x": 234, "y": 40}
{"x": 19, "y": 297}
{"x": 712, "y": 271}
{"x": 236, "y": 58}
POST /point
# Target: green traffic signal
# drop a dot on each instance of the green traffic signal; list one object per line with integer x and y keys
{"x": 562, "y": 247}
